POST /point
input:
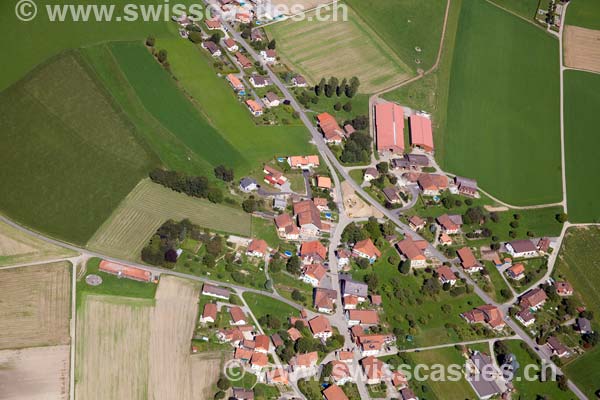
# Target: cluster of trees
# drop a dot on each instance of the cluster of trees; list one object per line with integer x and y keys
{"x": 357, "y": 149}
{"x": 161, "y": 55}
{"x": 372, "y": 229}
{"x": 270, "y": 321}
{"x": 224, "y": 173}
{"x": 252, "y": 204}
{"x": 333, "y": 87}
{"x": 195, "y": 186}
{"x": 306, "y": 343}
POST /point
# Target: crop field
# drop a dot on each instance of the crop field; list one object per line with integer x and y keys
{"x": 581, "y": 48}
{"x": 70, "y": 156}
{"x": 18, "y": 247}
{"x": 39, "y": 373}
{"x": 257, "y": 144}
{"x": 582, "y": 102}
{"x": 584, "y": 13}
{"x": 172, "y": 324}
{"x": 36, "y": 303}
{"x": 148, "y": 206}
{"x": 112, "y": 348}
{"x": 343, "y": 49}
{"x": 205, "y": 371}
{"x": 503, "y": 107}
{"x": 524, "y": 8}
{"x": 411, "y": 28}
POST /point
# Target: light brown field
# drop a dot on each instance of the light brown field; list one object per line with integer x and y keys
{"x": 320, "y": 49}
{"x": 172, "y": 324}
{"x": 39, "y": 373}
{"x": 355, "y": 206}
{"x": 582, "y": 48}
{"x": 205, "y": 371}
{"x": 112, "y": 348}
{"x": 18, "y": 247}
{"x": 148, "y": 206}
{"x": 35, "y": 305}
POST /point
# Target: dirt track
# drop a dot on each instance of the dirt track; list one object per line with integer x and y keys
{"x": 582, "y": 48}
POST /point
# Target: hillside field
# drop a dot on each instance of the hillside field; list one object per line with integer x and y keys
{"x": 70, "y": 156}
{"x": 148, "y": 206}
{"x": 503, "y": 107}
{"x": 582, "y": 102}
{"x": 343, "y": 49}
{"x": 406, "y": 25}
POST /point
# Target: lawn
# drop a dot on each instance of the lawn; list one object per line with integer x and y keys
{"x": 70, "y": 157}
{"x": 406, "y": 25}
{"x": 584, "y": 13}
{"x": 285, "y": 284}
{"x": 352, "y": 49}
{"x": 360, "y": 105}
{"x": 265, "y": 229}
{"x": 504, "y": 91}
{"x": 214, "y": 97}
{"x": 582, "y": 101}
{"x": 578, "y": 263}
{"x": 33, "y": 43}
{"x": 148, "y": 206}
{"x": 169, "y": 105}
{"x": 532, "y": 389}
{"x": 264, "y": 305}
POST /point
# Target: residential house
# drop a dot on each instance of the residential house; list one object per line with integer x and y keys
{"x": 209, "y": 313}
{"x": 583, "y": 325}
{"x": 526, "y": 317}
{"x": 294, "y": 334}
{"x": 522, "y": 248}
{"x": 286, "y": 227}
{"x": 445, "y": 240}
{"x": 269, "y": 56}
{"x": 277, "y": 340}
{"x": 399, "y": 380}
{"x": 243, "y": 394}
{"x": 466, "y": 187}
{"x": 324, "y": 182}
{"x": 543, "y": 245}
{"x": 408, "y": 394}
{"x": 421, "y": 134}
{"x": 313, "y": 274}
{"x": 354, "y": 288}
{"x": 271, "y": 100}
{"x": 330, "y": 128}
{"x": 313, "y": 252}
{"x": 243, "y": 18}
{"x": 258, "y": 361}
{"x": 487, "y": 313}
{"x": 564, "y": 288}
{"x": 299, "y": 81}
{"x": 231, "y": 45}
{"x": 480, "y": 370}
{"x": 262, "y": 343}
{"x": 280, "y": 203}
{"x": 533, "y": 299}
{"x": 321, "y": 203}
{"x": 446, "y": 275}
{"x": 416, "y": 223}
{"x": 346, "y": 356}
{"x": 320, "y": 327}
{"x": 468, "y": 260}
{"x": 304, "y": 361}
{"x": 212, "y": 48}
{"x": 213, "y": 24}
{"x": 309, "y": 218}
{"x": 215, "y": 291}
{"x": 277, "y": 376}
{"x": 324, "y": 300}
{"x": 235, "y": 82}
{"x": 432, "y": 184}
{"x": 374, "y": 370}
{"x": 362, "y": 317}
{"x": 350, "y": 302}
{"x": 242, "y": 60}
{"x": 334, "y": 392}
{"x": 340, "y": 372}
{"x": 256, "y": 35}
{"x": 413, "y": 251}
{"x": 259, "y": 81}
{"x": 516, "y": 272}
{"x": 366, "y": 249}
{"x": 448, "y": 224}
{"x": 257, "y": 248}
{"x": 248, "y": 185}
{"x": 243, "y": 354}
{"x": 237, "y": 316}
{"x": 254, "y": 107}
{"x": 389, "y": 127}
{"x": 304, "y": 162}
{"x": 370, "y": 174}
{"x": 410, "y": 162}
{"x": 391, "y": 195}
{"x": 557, "y": 348}
{"x": 343, "y": 256}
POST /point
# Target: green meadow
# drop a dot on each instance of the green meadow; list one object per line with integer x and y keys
{"x": 582, "y": 102}
{"x": 584, "y": 13}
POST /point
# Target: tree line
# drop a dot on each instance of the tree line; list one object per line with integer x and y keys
{"x": 333, "y": 86}
{"x": 195, "y": 186}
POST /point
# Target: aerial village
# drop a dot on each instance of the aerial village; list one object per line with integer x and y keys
{"x": 324, "y": 261}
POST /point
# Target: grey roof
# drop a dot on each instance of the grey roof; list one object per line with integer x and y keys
{"x": 259, "y": 80}
{"x": 468, "y": 182}
{"x": 211, "y": 47}
{"x": 271, "y": 96}
{"x": 352, "y": 287}
{"x": 391, "y": 194}
{"x": 522, "y": 246}
{"x": 417, "y": 159}
{"x": 279, "y": 202}
{"x": 243, "y": 394}
{"x": 584, "y": 324}
{"x": 247, "y": 181}
{"x": 407, "y": 394}
{"x": 482, "y": 383}
{"x": 215, "y": 290}
{"x": 456, "y": 218}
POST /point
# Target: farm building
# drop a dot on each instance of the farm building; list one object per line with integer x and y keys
{"x": 330, "y": 128}
{"x": 389, "y": 125}
{"x": 421, "y": 134}
{"x": 125, "y": 271}
{"x": 304, "y": 162}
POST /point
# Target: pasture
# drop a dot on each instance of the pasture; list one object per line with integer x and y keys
{"x": 36, "y": 305}
{"x": 39, "y": 373}
{"x": 343, "y": 49}
{"x": 214, "y": 97}
{"x": 581, "y": 48}
{"x": 584, "y": 13}
{"x": 578, "y": 263}
{"x": 525, "y": 8}
{"x": 112, "y": 348}
{"x": 148, "y": 206}
{"x": 264, "y": 305}
{"x": 70, "y": 157}
{"x": 503, "y": 107}
{"x": 411, "y": 28}
{"x": 582, "y": 101}
{"x": 172, "y": 323}
{"x": 18, "y": 247}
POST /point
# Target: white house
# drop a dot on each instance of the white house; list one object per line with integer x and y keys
{"x": 522, "y": 249}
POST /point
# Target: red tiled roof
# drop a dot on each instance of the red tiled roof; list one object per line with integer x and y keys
{"x": 319, "y": 324}
{"x": 367, "y": 247}
{"x": 313, "y": 247}
{"x": 467, "y": 258}
{"x": 259, "y": 359}
{"x": 305, "y": 360}
{"x": 210, "y": 310}
{"x": 329, "y": 126}
{"x": 420, "y": 132}
{"x": 125, "y": 270}
{"x": 294, "y": 334}
{"x": 368, "y": 317}
{"x": 334, "y": 392}
{"x": 446, "y": 273}
{"x": 389, "y": 121}
{"x": 237, "y": 314}
{"x": 409, "y": 248}
{"x": 283, "y": 220}
{"x": 258, "y": 245}
{"x": 262, "y": 342}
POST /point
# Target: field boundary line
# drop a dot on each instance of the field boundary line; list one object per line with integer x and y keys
{"x": 520, "y": 17}
{"x": 73, "y": 328}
